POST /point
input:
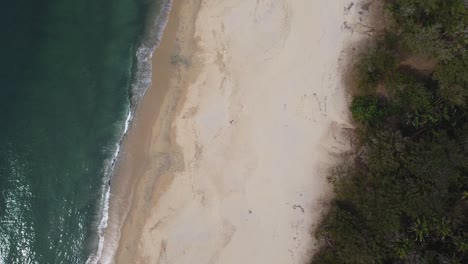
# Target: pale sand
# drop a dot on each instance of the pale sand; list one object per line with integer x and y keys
{"x": 231, "y": 164}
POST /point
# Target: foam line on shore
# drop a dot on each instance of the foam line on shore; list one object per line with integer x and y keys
{"x": 141, "y": 82}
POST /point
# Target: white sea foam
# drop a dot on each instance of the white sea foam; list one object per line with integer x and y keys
{"x": 142, "y": 78}
{"x": 141, "y": 81}
{"x": 104, "y": 203}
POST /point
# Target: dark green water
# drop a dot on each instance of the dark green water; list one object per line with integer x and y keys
{"x": 65, "y": 72}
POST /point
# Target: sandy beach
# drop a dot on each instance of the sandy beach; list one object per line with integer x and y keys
{"x": 227, "y": 159}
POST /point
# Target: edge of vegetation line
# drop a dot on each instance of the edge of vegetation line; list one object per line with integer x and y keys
{"x": 402, "y": 196}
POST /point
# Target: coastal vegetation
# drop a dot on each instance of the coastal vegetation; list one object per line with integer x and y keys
{"x": 402, "y": 196}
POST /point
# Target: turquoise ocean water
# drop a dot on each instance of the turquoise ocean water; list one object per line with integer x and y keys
{"x": 70, "y": 73}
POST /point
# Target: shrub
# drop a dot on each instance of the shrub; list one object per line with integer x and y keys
{"x": 403, "y": 197}
{"x": 374, "y": 66}
{"x": 366, "y": 109}
{"x": 453, "y": 80}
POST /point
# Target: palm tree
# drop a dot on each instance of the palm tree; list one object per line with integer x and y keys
{"x": 420, "y": 229}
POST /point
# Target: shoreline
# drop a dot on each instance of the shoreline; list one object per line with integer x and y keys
{"x": 135, "y": 150}
{"x": 205, "y": 165}
{"x": 138, "y": 88}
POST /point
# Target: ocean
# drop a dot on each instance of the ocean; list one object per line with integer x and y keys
{"x": 72, "y": 73}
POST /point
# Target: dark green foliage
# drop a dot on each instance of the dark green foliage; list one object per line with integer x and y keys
{"x": 428, "y": 42}
{"x": 449, "y": 14}
{"x": 366, "y": 109}
{"x": 374, "y": 64}
{"x": 408, "y": 93}
{"x": 416, "y": 102}
{"x": 403, "y": 197}
{"x": 453, "y": 80}
{"x": 433, "y": 28}
{"x": 399, "y": 202}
